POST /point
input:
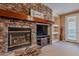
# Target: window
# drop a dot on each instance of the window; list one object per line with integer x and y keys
{"x": 71, "y": 28}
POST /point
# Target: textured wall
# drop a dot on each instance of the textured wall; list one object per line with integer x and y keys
{"x": 5, "y": 23}
{"x": 24, "y": 8}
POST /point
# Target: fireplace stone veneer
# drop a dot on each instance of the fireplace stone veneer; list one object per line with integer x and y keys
{"x": 7, "y": 23}
{"x": 15, "y": 15}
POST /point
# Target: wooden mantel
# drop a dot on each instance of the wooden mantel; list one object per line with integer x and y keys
{"x": 10, "y": 14}
{"x": 22, "y": 16}
{"x": 40, "y": 20}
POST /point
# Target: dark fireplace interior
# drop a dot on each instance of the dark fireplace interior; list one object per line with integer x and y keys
{"x": 42, "y": 35}
{"x": 18, "y": 37}
{"x": 42, "y": 30}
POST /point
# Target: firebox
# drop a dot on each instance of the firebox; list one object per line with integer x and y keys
{"x": 18, "y": 37}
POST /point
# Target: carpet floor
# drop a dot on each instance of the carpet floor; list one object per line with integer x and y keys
{"x": 60, "y": 49}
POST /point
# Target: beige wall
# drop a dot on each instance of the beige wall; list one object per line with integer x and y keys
{"x": 64, "y": 23}
{"x": 57, "y": 21}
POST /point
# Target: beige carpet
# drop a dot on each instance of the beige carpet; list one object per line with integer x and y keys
{"x": 61, "y": 49}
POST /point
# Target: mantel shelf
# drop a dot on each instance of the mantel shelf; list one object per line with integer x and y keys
{"x": 55, "y": 25}
{"x": 22, "y": 16}
{"x": 55, "y": 33}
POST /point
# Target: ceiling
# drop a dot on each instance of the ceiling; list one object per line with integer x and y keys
{"x": 62, "y": 8}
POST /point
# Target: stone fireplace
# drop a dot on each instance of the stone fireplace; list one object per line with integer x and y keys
{"x": 18, "y": 37}
{"x": 18, "y": 28}
{"x": 15, "y": 34}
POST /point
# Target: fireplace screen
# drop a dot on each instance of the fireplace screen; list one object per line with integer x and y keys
{"x": 18, "y": 37}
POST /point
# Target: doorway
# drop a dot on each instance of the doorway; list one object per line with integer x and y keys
{"x": 70, "y": 28}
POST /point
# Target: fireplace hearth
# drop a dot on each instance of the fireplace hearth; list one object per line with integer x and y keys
{"x": 18, "y": 37}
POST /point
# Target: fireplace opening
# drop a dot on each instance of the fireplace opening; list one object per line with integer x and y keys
{"x": 18, "y": 37}
{"x": 43, "y": 38}
{"x": 42, "y": 30}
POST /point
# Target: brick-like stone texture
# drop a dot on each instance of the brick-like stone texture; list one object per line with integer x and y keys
{"x": 24, "y": 8}
{"x": 4, "y": 32}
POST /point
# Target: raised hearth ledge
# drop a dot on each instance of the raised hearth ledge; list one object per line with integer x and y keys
{"x": 22, "y": 16}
